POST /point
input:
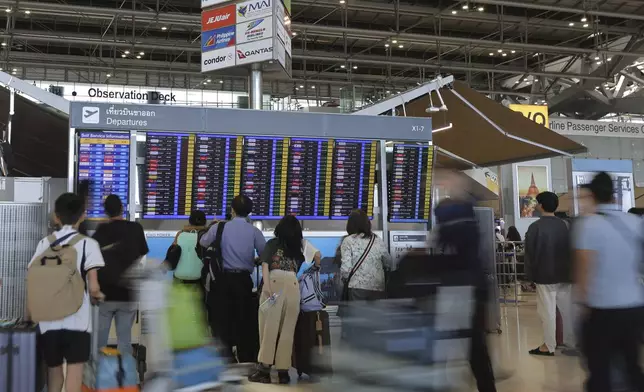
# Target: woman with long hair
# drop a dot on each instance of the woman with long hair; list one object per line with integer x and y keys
{"x": 364, "y": 259}
{"x": 279, "y": 301}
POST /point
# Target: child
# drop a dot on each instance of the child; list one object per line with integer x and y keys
{"x": 68, "y": 340}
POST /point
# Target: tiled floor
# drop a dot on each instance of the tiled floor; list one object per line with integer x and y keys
{"x": 516, "y": 370}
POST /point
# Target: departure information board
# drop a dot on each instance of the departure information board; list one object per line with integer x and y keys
{"x": 353, "y": 179}
{"x": 309, "y": 178}
{"x": 264, "y": 175}
{"x": 104, "y": 160}
{"x": 410, "y": 185}
{"x": 189, "y": 171}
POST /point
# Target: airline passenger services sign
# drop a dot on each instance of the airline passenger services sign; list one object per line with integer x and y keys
{"x": 571, "y": 127}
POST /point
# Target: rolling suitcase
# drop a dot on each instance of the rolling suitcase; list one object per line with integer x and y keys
{"x": 19, "y": 363}
{"x": 312, "y": 344}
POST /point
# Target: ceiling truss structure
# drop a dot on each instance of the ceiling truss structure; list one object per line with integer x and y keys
{"x": 526, "y": 51}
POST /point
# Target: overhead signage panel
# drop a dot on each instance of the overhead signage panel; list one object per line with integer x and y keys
{"x": 536, "y": 113}
{"x": 218, "y": 39}
{"x": 255, "y": 52}
{"x": 218, "y": 59}
{"x": 218, "y": 18}
{"x": 255, "y": 30}
{"x": 254, "y": 9}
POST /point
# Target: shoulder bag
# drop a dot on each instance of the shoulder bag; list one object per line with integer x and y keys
{"x": 345, "y": 289}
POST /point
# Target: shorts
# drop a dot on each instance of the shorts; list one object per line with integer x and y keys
{"x": 66, "y": 346}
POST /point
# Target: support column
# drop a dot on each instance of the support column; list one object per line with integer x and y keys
{"x": 255, "y": 86}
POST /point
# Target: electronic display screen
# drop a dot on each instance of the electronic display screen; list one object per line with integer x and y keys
{"x": 309, "y": 178}
{"x": 264, "y": 175}
{"x": 410, "y": 183}
{"x": 189, "y": 171}
{"x": 353, "y": 179}
{"x": 104, "y": 160}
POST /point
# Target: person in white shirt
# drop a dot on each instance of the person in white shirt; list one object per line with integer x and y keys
{"x": 68, "y": 340}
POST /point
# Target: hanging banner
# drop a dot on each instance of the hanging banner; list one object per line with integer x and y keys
{"x": 536, "y": 113}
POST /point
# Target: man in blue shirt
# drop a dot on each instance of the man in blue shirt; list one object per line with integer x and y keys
{"x": 609, "y": 259}
{"x": 231, "y": 301}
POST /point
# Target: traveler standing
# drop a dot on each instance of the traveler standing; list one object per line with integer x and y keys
{"x": 364, "y": 259}
{"x": 230, "y": 299}
{"x": 280, "y": 300}
{"x": 182, "y": 255}
{"x": 548, "y": 263}
{"x": 608, "y": 261}
{"x": 123, "y": 244}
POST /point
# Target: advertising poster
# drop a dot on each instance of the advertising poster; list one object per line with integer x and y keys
{"x": 255, "y": 30}
{"x": 622, "y": 184}
{"x": 531, "y": 180}
{"x": 255, "y": 52}
{"x": 254, "y": 9}
{"x": 218, "y": 38}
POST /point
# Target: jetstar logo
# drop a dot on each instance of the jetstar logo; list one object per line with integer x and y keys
{"x": 249, "y": 53}
{"x": 254, "y": 9}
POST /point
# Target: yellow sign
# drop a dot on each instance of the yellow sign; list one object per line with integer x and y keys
{"x": 536, "y": 113}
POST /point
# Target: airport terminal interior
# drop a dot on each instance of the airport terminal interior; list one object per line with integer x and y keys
{"x": 319, "y": 108}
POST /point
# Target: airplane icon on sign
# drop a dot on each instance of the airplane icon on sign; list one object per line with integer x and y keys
{"x": 91, "y": 115}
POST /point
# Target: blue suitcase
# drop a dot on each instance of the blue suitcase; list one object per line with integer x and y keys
{"x": 197, "y": 366}
{"x": 19, "y": 370}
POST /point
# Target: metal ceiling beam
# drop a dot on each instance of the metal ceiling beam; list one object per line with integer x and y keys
{"x": 632, "y": 77}
{"x": 480, "y": 17}
{"x": 145, "y": 44}
{"x": 330, "y": 31}
{"x": 556, "y": 8}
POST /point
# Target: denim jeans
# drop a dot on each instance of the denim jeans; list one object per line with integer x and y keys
{"x": 123, "y": 313}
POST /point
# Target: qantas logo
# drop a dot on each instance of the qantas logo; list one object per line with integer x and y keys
{"x": 219, "y": 18}
{"x": 245, "y": 54}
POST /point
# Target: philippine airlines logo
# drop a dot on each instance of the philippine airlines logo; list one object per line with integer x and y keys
{"x": 217, "y": 39}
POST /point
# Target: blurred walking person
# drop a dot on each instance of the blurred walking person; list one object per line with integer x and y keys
{"x": 608, "y": 261}
{"x": 280, "y": 300}
{"x": 548, "y": 263}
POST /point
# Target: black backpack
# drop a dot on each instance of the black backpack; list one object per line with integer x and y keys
{"x": 213, "y": 264}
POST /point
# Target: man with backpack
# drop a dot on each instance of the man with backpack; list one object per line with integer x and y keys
{"x": 61, "y": 278}
{"x": 230, "y": 300}
{"x": 123, "y": 245}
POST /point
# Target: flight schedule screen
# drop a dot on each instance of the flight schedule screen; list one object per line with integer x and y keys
{"x": 189, "y": 171}
{"x": 264, "y": 175}
{"x": 309, "y": 178}
{"x": 410, "y": 185}
{"x": 354, "y": 165}
{"x": 104, "y": 160}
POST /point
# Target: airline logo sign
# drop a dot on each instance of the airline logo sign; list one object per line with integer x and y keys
{"x": 254, "y": 9}
{"x": 217, "y": 39}
{"x": 218, "y": 18}
{"x": 218, "y": 59}
{"x": 255, "y": 30}
{"x": 255, "y": 52}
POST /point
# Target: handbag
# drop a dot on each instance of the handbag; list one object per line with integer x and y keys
{"x": 345, "y": 289}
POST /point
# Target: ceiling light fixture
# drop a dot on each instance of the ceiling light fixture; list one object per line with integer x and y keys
{"x": 343, "y": 66}
{"x": 596, "y": 58}
{"x": 513, "y": 52}
{"x": 14, "y": 70}
{"x": 401, "y": 46}
{"x": 504, "y": 54}
{"x": 163, "y": 28}
{"x": 386, "y": 45}
{"x": 7, "y": 10}
{"x": 500, "y": 50}
{"x": 138, "y": 56}
{"x": 294, "y": 34}
{"x": 481, "y": 9}
{"x": 342, "y": 1}
{"x": 141, "y": 53}
{"x": 491, "y": 53}
{"x": 313, "y": 87}
{"x": 525, "y": 79}
{"x": 394, "y": 41}
{"x": 585, "y": 25}
{"x": 4, "y": 44}
{"x": 209, "y": 80}
{"x": 465, "y": 7}
{"x": 454, "y": 12}
{"x": 609, "y": 59}
{"x": 584, "y": 19}
{"x": 123, "y": 55}
{"x": 109, "y": 75}
{"x": 599, "y": 63}
{"x": 301, "y": 86}
{"x": 571, "y": 24}
{"x": 127, "y": 52}
{"x": 221, "y": 82}
{"x": 355, "y": 67}
{"x": 27, "y": 12}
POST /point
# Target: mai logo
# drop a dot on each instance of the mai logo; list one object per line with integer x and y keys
{"x": 242, "y": 11}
